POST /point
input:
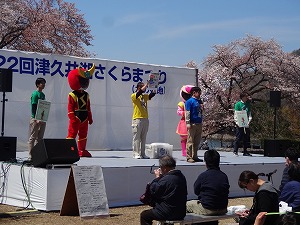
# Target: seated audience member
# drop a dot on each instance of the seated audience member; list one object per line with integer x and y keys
{"x": 265, "y": 198}
{"x": 291, "y": 190}
{"x": 289, "y": 218}
{"x": 169, "y": 192}
{"x": 291, "y": 155}
{"x": 211, "y": 187}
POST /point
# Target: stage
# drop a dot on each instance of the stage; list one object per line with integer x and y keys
{"x": 125, "y": 178}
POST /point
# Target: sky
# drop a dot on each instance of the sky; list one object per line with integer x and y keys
{"x": 175, "y": 32}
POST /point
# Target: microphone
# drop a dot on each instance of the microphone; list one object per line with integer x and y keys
{"x": 270, "y": 174}
{"x": 267, "y": 174}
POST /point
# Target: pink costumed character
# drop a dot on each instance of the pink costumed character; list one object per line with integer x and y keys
{"x": 181, "y": 127}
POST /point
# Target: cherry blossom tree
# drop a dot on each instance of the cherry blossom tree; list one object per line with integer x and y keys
{"x": 296, "y": 52}
{"x": 48, "y": 26}
{"x": 249, "y": 64}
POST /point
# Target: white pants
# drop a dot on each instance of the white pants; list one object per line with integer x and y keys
{"x": 139, "y": 131}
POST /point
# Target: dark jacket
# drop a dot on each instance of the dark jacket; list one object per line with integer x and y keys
{"x": 170, "y": 194}
{"x": 285, "y": 178}
{"x": 212, "y": 189}
{"x": 291, "y": 194}
{"x": 265, "y": 200}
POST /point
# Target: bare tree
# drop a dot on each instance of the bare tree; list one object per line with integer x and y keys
{"x": 48, "y": 26}
{"x": 248, "y": 64}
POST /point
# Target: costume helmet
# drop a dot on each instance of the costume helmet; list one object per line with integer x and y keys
{"x": 79, "y": 78}
{"x": 185, "y": 92}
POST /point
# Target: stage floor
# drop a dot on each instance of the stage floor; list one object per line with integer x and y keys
{"x": 125, "y": 178}
{"x": 115, "y": 158}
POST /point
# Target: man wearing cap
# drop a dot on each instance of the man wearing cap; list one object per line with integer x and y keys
{"x": 140, "y": 122}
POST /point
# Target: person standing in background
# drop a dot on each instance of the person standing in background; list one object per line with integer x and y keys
{"x": 140, "y": 121}
{"x": 36, "y": 127}
{"x": 242, "y": 133}
{"x": 193, "y": 118}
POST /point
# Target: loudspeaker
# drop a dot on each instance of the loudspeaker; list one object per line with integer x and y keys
{"x": 276, "y": 148}
{"x": 8, "y": 147}
{"x": 54, "y": 151}
{"x": 5, "y": 80}
{"x": 275, "y": 99}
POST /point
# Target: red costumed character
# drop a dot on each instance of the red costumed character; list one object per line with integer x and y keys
{"x": 181, "y": 127}
{"x": 79, "y": 109}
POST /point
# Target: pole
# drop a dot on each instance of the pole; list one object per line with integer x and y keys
{"x": 197, "y": 76}
{"x": 275, "y": 113}
{"x": 3, "y": 112}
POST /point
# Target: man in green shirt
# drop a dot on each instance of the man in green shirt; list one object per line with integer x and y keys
{"x": 36, "y": 127}
{"x": 242, "y": 133}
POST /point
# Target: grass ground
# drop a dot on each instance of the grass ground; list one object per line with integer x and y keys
{"x": 10, "y": 215}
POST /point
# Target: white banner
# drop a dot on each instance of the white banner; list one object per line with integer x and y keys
{"x": 110, "y": 88}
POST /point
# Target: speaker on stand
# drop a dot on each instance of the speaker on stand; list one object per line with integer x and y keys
{"x": 273, "y": 148}
{"x": 5, "y": 80}
{"x": 7, "y": 144}
{"x": 275, "y": 102}
{"x": 275, "y": 99}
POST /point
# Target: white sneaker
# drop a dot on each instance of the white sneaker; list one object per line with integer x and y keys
{"x": 137, "y": 156}
{"x": 235, "y": 154}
